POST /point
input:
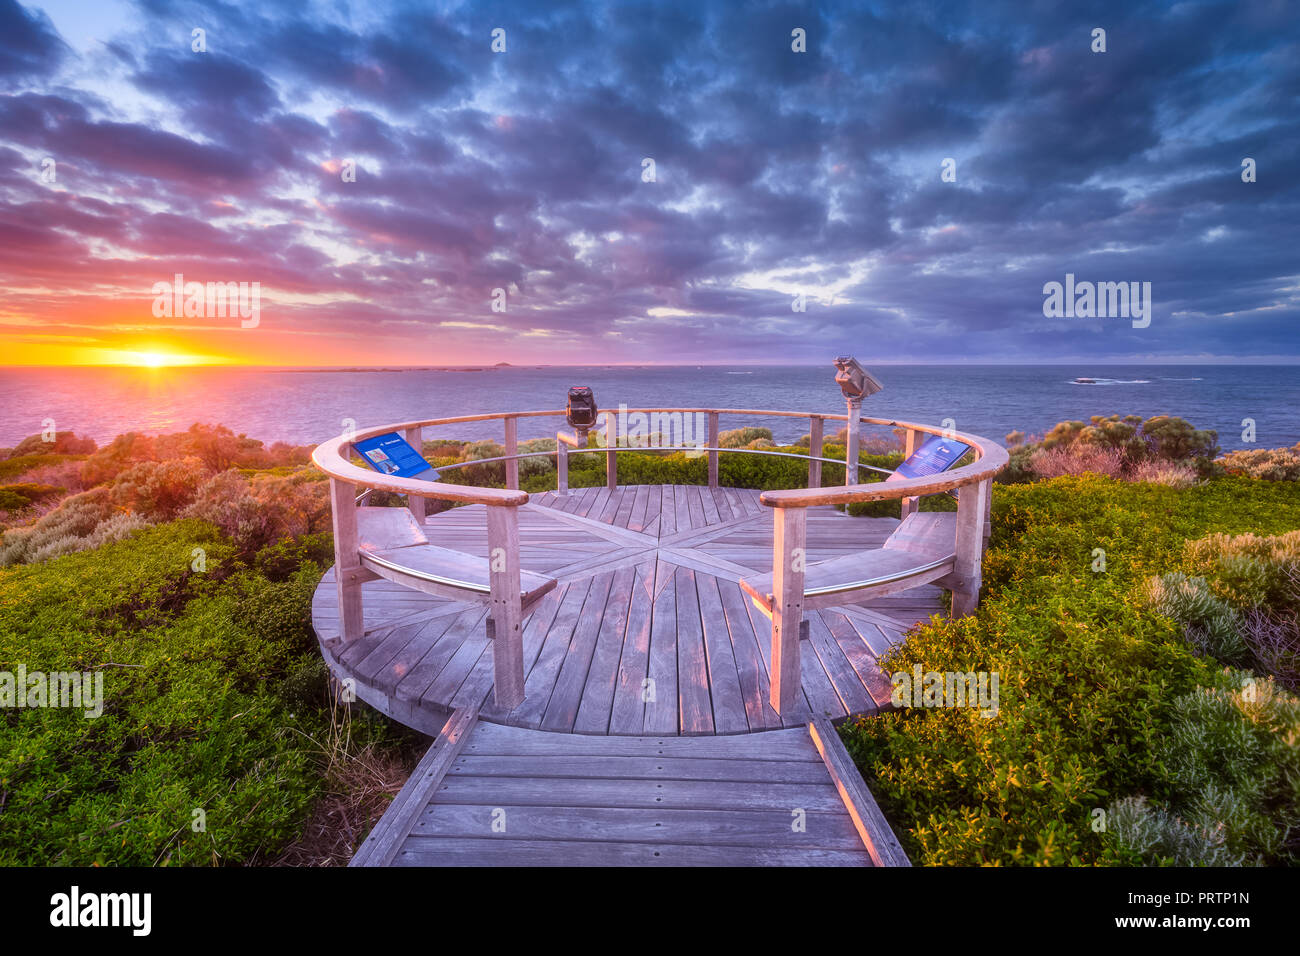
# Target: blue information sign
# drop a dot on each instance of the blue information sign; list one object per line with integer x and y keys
{"x": 391, "y": 454}
{"x": 936, "y": 454}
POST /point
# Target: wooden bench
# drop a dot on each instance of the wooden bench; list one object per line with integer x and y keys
{"x": 921, "y": 550}
{"x": 394, "y": 546}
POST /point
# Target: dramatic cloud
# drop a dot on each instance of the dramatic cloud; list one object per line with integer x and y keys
{"x": 381, "y": 170}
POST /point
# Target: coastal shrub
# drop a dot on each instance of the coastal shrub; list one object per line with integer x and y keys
{"x": 216, "y": 447}
{"x": 1142, "y": 835}
{"x": 1088, "y": 673}
{"x": 1077, "y": 458}
{"x": 741, "y": 437}
{"x": 1244, "y": 607}
{"x": 1210, "y": 624}
{"x": 17, "y": 496}
{"x": 1231, "y": 769}
{"x": 24, "y": 465}
{"x": 204, "y": 706}
{"x": 65, "y": 443}
{"x": 254, "y": 513}
{"x": 1172, "y": 473}
{"x": 159, "y": 490}
{"x": 538, "y": 465}
{"x": 72, "y": 526}
{"x": 1269, "y": 464}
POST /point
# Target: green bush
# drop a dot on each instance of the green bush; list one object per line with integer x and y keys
{"x": 15, "y": 497}
{"x": 1231, "y": 767}
{"x": 208, "y": 705}
{"x": 1088, "y": 674}
{"x": 741, "y": 437}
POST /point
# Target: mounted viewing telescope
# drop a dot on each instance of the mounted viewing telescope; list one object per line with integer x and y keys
{"x": 581, "y": 413}
{"x": 856, "y": 383}
{"x": 581, "y": 410}
{"x": 854, "y": 380}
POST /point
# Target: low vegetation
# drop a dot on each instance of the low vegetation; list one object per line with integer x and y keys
{"x": 1140, "y": 607}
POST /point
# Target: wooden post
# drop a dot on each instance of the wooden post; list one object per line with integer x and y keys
{"x": 815, "y": 426}
{"x": 512, "y": 448}
{"x": 416, "y": 504}
{"x": 851, "y": 452}
{"x": 713, "y": 443}
{"x": 789, "y": 560}
{"x": 911, "y": 505}
{"x": 611, "y": 459}
{"x": 347, "y": 560}
{"x": 507, "y": 615}
{"x": 966, "y": 575}
{"x": 988, "y": 511}
{"x": 561, "y": 464}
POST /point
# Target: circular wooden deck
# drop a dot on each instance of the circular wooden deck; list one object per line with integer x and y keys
{"x": 647, "y": 631}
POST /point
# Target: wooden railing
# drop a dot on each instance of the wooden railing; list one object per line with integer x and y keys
{"x": 334, "y": 457}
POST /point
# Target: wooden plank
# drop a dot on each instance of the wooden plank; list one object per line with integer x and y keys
{"x": 695, "y": 505}
{"x": 641, "y": 503}
{"x": 562, "y": 709}
{"x": 478, "y": 685}
{"x": 501, "y": 739}
{"x": 871, "y": 824}
{"x": 692, "y": 659}
{"x": 759, "y": 828}
{"x": 668, "y": 511}
{"x": 627, "y": 714}
{"x": 552, "y": 766}
{"x": 724, "y": 682}
{"x": 540, "y": 683}
{"x": 854, "y": 670}
{"x": 661, "y": 708}
{"x": 750, "y": 669}
{"x": 651, "y": 794}
{"x": 602, "y": 675}
{"x": 493, "y": 851}
{"x": 385, "y": 840}
{"x": 400, "y": 652}
{"x": 722, "y": 502}
{"x": 823, "y": 697}
{"x": 682, "y": 508}
{"x": 418, "y": 678}
{"x": 626, "y": 503}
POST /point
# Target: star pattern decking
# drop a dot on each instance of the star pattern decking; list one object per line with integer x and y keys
{"x": 647, "y": 632}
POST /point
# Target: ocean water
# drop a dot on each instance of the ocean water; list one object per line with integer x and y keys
{"x": 308, "y": 406}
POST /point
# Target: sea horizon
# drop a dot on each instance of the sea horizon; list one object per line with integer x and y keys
{"x": 307, "y": 405}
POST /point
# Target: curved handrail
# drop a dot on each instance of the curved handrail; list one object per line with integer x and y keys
{"x": 990, "y": 459}
{"x": 328, "y": 456}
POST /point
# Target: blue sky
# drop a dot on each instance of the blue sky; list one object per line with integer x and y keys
{"x": 777, "y": 173}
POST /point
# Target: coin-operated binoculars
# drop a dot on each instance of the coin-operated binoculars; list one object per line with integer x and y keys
{"x": 581, "y": 413}
{"x": 856, "y": 383}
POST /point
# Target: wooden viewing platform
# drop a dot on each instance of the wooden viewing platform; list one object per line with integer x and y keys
{"x": 647, "y": 590}
{"x": 637, "y": 674}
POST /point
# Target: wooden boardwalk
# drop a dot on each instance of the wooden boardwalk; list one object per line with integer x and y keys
{"x": 491, "y": 795}
{"x": 647, "y": 632}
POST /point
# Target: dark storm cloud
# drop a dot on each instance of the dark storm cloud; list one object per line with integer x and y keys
{"x": 776, "y": 172}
